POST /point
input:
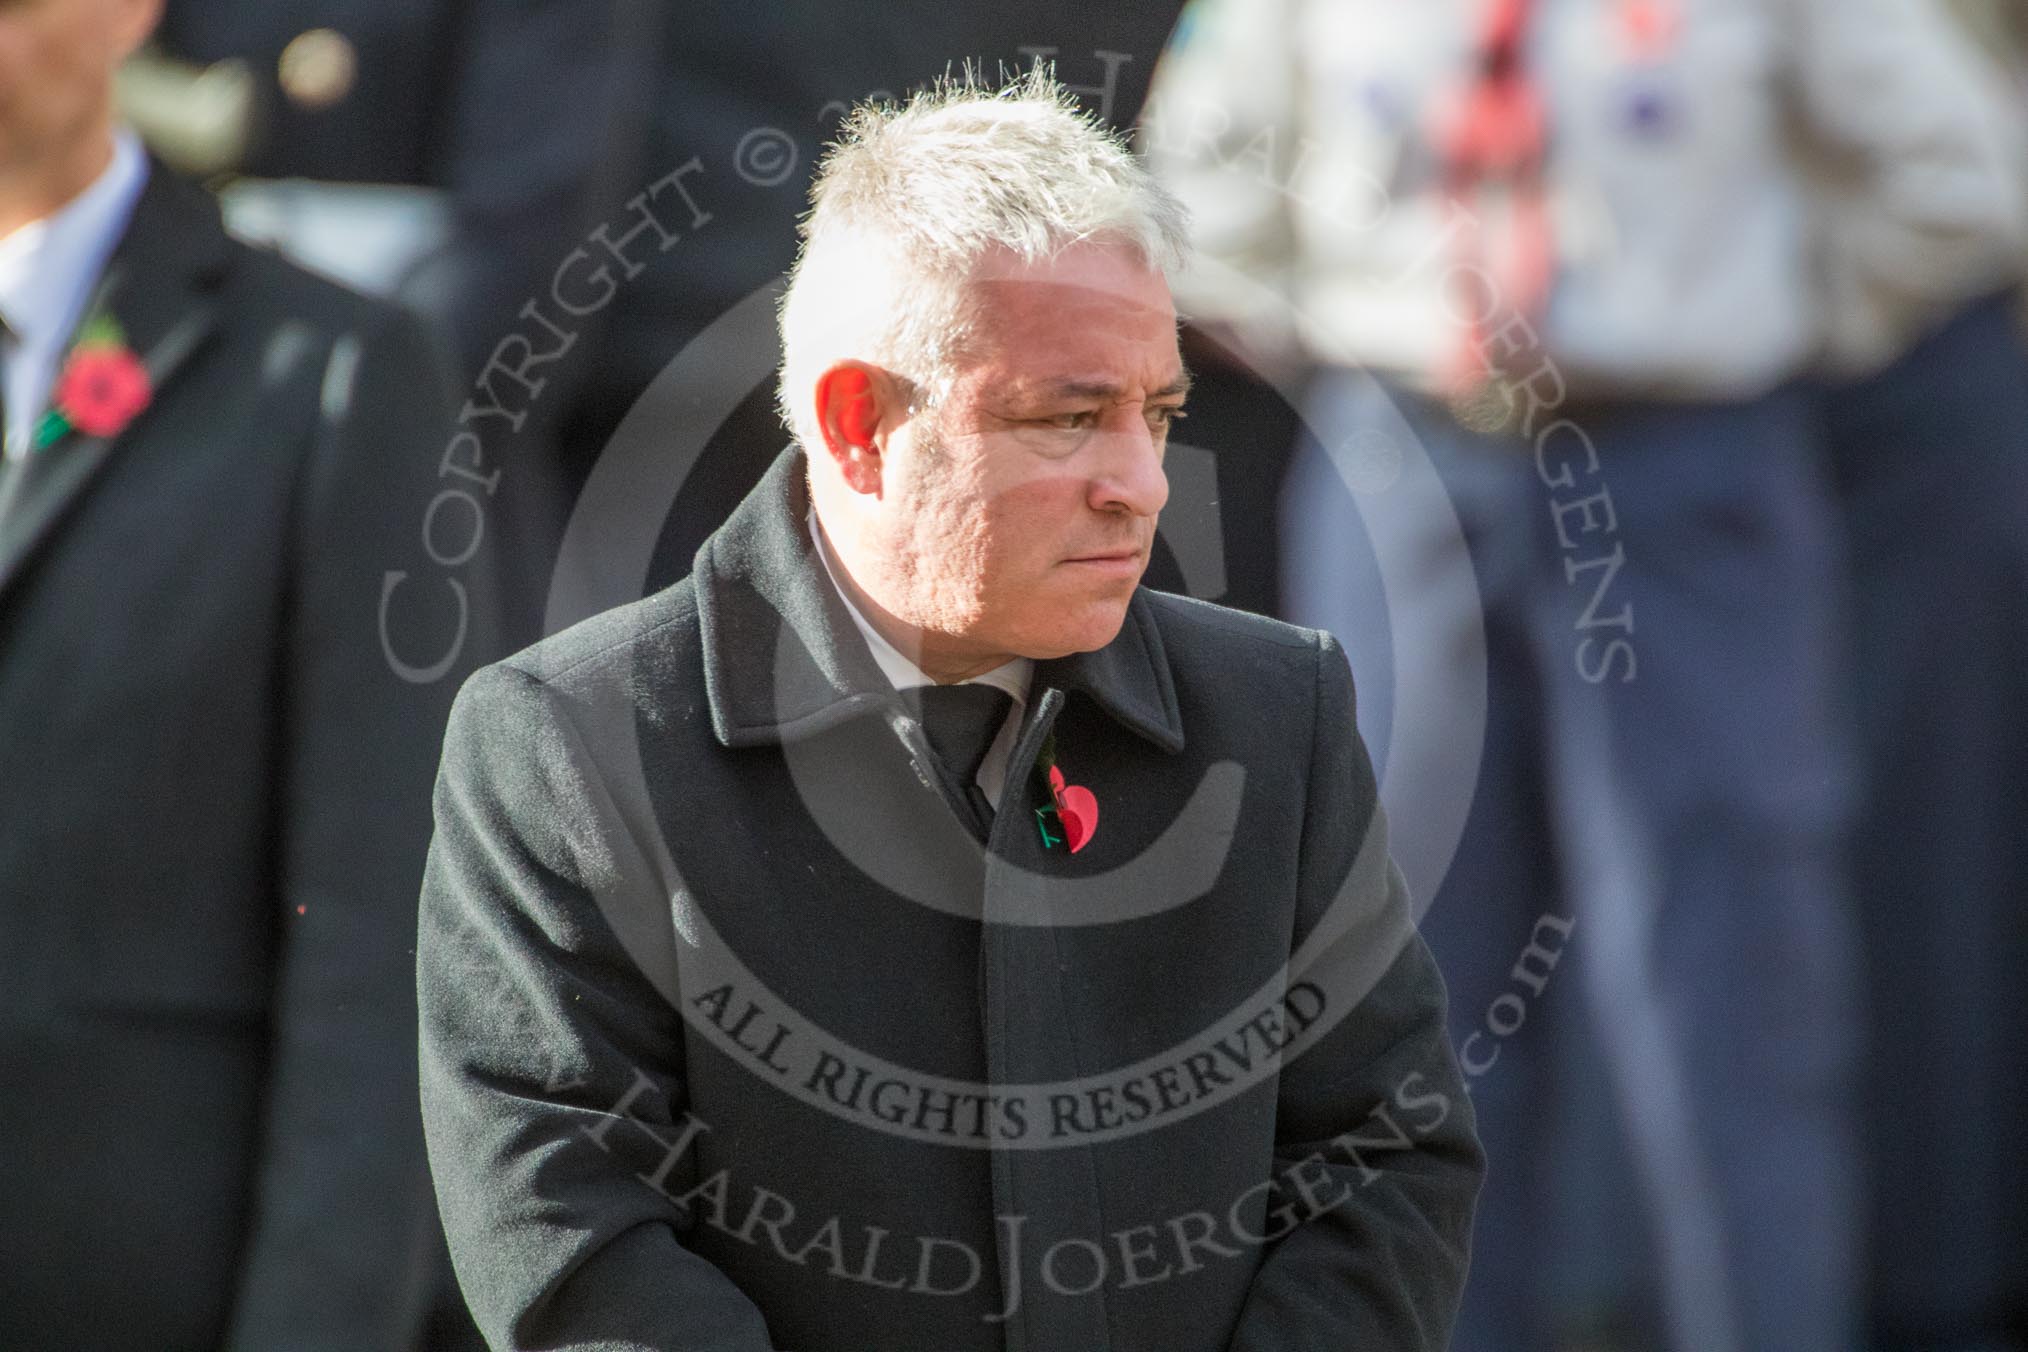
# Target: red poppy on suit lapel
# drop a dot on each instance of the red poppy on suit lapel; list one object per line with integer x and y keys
{"x": 1072, "y": 807}
{"x": 1076, "y": 808}
{"x": 103, "y": 386}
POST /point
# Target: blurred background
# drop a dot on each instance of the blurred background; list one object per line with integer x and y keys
{"x": 1636, "y": 387}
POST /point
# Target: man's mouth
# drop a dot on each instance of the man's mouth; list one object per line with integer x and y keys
{"x": 1110, "y": 560}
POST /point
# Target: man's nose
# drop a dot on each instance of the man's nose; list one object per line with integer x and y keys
{"x": 1130, "y": 476}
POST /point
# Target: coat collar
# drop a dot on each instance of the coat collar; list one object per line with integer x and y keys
{"x": 160, "y": 284}
{"x": 782, "y": 659}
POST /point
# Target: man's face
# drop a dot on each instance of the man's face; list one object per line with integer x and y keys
{"x": 57, "y": 59}
{"x": 1023, "y": 509}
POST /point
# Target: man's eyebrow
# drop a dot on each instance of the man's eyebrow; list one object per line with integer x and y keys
{"x": 1109, "y": 390}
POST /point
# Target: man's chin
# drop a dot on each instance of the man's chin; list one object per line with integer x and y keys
{"x": 1097, "y": 627}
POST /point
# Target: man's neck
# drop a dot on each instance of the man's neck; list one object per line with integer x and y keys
{"x": 37, "y": 191}
{"x": 940, "y": 665}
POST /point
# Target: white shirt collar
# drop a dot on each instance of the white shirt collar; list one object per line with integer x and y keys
{"x": 48, "y": 269}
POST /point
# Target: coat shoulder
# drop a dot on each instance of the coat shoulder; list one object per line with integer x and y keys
{"x": 1187, "y": 620}
{"x": 1199, "y": 636}
{"x": 1215, "y": 653}
{"x": 647, "y": 638}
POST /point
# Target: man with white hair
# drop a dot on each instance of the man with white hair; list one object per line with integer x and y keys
{"x": 906, "y": 931}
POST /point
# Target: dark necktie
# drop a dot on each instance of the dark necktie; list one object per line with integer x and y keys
{"x": 961, "y": 722}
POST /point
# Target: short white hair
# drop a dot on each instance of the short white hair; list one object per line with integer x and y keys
{"x": 911, "y": 197}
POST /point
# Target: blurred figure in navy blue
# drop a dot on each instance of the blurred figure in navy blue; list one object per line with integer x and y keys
{"x": 1566, "y": 484}
{"x": 237, "y": 592}
{"x": 1929, "y": 458}
{"x": 521, "y": 119}
{"x": 1927, "y": 427}
{"x": 449, "y": 155}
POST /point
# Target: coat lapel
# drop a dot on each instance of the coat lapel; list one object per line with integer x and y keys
{"x": 782, "y": 658}
{"x": 160, "y": 284}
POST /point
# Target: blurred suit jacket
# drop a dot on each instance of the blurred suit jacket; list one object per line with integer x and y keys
{"x": 214, "y": 805}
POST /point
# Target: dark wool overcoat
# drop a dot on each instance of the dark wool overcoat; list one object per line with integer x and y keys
{"x": 737, "y": 1036}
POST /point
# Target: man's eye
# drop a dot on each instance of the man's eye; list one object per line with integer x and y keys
{"x": 1166, "y": 414}
{"x": 1071, "y": 422}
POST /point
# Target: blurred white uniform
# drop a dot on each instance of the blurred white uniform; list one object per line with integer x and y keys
{"x": 1296, "y": 131}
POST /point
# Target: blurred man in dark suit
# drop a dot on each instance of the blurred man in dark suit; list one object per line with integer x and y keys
{"x": 239, "y": 577}
{"x": 449, "y": 154}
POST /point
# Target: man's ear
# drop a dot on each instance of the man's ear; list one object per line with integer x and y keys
{"x": 856, "y": 405}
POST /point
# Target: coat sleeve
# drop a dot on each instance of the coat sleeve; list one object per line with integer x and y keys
{"x": 341, "y": 1221}
{"x": 553, "y": 1091}
{"x": 1378, "y": 1163}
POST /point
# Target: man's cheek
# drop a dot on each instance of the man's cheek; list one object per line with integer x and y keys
{"x": 1041, "y": 503}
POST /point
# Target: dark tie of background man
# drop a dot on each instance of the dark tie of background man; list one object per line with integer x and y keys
{"x": 961, "y": 722}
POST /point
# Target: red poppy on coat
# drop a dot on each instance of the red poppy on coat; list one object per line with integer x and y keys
{"x": 101, "y": 390}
